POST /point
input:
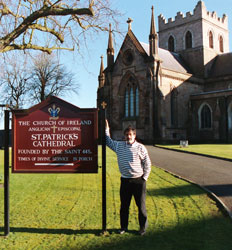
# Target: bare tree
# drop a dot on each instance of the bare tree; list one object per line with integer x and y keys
{"x": 49, "y": 77}
{"x": 46, "y": 24}
{"x": 13, "y": 83}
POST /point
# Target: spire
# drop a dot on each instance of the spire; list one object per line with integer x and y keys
{"x": 152, "y": 29}
{"x": 110, "y": 49}
{"x": 153, "y": 37}
{"x": 102, "y": 66}
{"x": 101, "y": 77}
{"x": 110, "y": 41}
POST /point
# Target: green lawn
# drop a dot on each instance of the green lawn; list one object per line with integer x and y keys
{"x": 63, "y": 211}
{"x": 1, "y": 166}
{"x": 219, "y": 150}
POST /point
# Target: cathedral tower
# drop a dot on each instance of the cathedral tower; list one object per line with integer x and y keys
{"x": 198, "y": 37}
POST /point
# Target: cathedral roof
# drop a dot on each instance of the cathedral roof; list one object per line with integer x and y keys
{"x": 170, "y": 60}
{"x": 222, "y": 65}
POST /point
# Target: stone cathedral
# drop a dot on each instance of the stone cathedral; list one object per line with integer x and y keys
{"x": 178, "y": 86}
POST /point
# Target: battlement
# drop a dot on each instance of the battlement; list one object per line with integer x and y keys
{"x": 199, "y": 12}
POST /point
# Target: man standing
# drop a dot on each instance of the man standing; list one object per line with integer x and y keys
{"x": 135, "y": 166}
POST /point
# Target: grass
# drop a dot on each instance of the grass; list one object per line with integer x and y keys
{"x": 219, "y": 150}
{"x": 63, "y": 211}
{"x": 1, "y": 166}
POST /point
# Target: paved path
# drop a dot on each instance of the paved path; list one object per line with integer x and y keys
{"x": 214, "y": 175}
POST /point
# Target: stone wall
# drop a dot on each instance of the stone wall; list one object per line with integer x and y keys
{"x": 219, "y": 103}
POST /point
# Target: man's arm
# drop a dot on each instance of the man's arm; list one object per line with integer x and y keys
{"x": 109, "y": 142}
{"x": 146, "y": 162}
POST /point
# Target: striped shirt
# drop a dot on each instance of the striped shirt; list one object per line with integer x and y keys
{"x": 133, "y": 159}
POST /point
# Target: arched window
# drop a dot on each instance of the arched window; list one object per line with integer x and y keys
{"x": 230, "y": 117}
{"x": 131, "y": 99}
{"x": 126, "y": 103}
{"x": 173, "y": 102}
{"x": 205, "y": 117}
{"x": 188, "y": 40}
{"x": 131, "y": 102}
{"x": 171, "y": 45}
{"x": 137, "y": 102}
{"x": 211, "y": 39}
{"x": 221, "y": 46}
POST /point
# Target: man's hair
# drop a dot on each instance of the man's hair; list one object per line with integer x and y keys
{"x": 130, "y": 128}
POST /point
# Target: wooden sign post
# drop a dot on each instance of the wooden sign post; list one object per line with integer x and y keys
{"x": 51, "y": 137}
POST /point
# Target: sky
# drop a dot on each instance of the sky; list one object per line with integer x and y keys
{"x": 87, "y": 69}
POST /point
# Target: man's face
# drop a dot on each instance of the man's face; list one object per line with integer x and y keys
{"x": 130, "y": 136}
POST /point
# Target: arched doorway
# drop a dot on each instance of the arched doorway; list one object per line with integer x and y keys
{"x": 230, "y": 121}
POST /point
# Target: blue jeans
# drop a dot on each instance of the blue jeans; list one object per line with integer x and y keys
{"x": 133, "y": 187}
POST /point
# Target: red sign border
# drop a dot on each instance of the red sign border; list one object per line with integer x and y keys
{"x": 68, "y": 105}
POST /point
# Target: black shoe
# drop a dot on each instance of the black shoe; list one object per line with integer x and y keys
{"x": 122, "y": 231}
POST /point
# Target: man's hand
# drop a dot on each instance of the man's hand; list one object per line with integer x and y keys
{"x": 107, "y": 125}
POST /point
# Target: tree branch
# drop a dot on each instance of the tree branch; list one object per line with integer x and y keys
{"x": 34, "y": 47}
{"x": 59, "y": 36}
{"x": 23, "y": 21}
{"x": 43, "y": 12}
{"x": 4, "y": 11}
